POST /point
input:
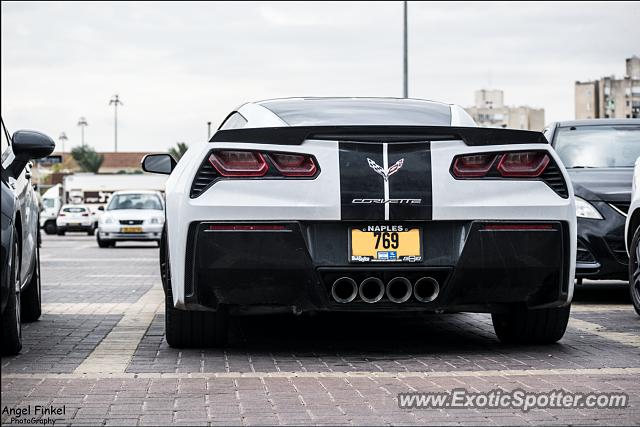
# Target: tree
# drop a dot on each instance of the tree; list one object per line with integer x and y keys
{"x": 178, "y": 151}
{"x": 87, "y": 158}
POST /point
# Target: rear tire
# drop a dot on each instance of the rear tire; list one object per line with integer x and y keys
{"x": 91, "y": 231}
{"x": 189, "y": 329}
{"x": 634, "y": 270}
{"x": 11, "y": 322}
{"x": 526, "y": 326}
{"x": 50, "y": 227}
{"x": 60, "y": 232}
{"x": 31, "y": 302}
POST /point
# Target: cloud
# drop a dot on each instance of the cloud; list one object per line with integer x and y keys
{"x": 178, "y": 65}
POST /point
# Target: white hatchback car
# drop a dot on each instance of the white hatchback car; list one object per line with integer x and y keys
{"x": 131, "y": 215}
{"x": 75, "y": 218}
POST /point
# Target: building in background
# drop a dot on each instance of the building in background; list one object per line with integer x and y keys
{"x": 610, "y": 97}
{"x": 490, "y": 111}
{"x": 51, "y": 170}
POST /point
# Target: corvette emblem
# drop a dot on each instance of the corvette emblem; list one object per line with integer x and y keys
{"x": 385, "y": 174}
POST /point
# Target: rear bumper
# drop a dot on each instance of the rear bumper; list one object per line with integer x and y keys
{"x": 601, "y": 252}
{"x": 478, "y": 269}
{"x": 74, "y": 227}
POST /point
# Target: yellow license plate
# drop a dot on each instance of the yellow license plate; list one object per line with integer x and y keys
{"x": 386, "y": 243}
{"x": 131, "y": 229}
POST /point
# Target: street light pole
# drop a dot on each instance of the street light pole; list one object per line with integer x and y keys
{"x": 115, "y": 101}
{"x": 405, "y": 54}
{"x": 63, "y": 138}
{"x": 82, "y": 122}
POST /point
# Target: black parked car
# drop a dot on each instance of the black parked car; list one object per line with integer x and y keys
{"x": 20, "y": 268}
{"x": 599, "y": 155}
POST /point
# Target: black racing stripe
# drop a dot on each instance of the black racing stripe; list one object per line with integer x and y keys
{"x": 411, "y": 181}
{"x": 359, "y": 181}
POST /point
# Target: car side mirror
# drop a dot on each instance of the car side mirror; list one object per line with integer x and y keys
{"x": 29, "y": 145}
{"x": 158, "y": 163}
{"x": 101, "y": 208}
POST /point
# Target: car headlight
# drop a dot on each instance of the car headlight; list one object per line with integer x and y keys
{"x": 107, "y": 220}
{"x": 585, "y": 209}
{"x": 156, "y": 220}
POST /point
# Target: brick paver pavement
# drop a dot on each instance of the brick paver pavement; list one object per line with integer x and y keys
{"x": 99, "y": 352}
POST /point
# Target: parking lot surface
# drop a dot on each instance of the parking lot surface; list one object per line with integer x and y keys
{"x": 99, "y": 352}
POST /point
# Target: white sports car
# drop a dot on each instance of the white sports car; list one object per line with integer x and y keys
{"x": 632, "y": 238}
{"x": 366, "y": 205}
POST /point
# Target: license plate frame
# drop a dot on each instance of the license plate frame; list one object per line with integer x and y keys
{"x": 134, "y": 229}
{"x": 393, "y": 255}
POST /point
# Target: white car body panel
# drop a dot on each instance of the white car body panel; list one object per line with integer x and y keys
{"x": 634, "y": 207}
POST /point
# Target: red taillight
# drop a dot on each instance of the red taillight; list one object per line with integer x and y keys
{"x": 85, "y": 214}
{"x": 473, "y": 166}
{"x": 294, "y": 164}
{"x": 247, "y": 227}
{"x": 238, "y": 163}
{"x": 526, "y": 164}
{"x": 61, "y": 214}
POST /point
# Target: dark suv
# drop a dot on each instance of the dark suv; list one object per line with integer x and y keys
{"x": 19, "y": 257}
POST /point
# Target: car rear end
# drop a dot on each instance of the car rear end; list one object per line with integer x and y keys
{"x": 74, "y": 218}
{"x": 378, "y": 219}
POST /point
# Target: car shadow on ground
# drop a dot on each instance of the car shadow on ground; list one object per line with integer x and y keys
{"x": 354, "y": 333}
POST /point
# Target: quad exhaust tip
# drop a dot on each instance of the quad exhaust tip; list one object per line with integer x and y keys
{"x": 344, "y": 290}
{"x": 426, "y": 289}
{"x": 399, "y": 290}
{"x": 371, "y": 290}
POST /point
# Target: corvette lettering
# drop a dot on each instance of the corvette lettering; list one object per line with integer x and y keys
{"x": 385, "y": 201}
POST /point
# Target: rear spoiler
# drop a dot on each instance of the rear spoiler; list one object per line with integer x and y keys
{"x": 295, "y": 135}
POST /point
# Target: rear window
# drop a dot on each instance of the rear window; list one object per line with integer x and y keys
{"x": 74, "y": 210}
{"x": 362, "y": 112}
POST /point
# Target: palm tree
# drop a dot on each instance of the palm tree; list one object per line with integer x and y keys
{"x": 178, "y": 151}
{"x": 87, "y": 158}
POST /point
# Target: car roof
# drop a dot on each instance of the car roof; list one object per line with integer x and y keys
{"x": 373, "y": 99}
{"x": 603, "y": 122}
{"x": 135, "y": 192}
{"x": 333, "y": 111}
{"x": 75, "y": 205}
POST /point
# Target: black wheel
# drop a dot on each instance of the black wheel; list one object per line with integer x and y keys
{"x": 524, "y": 326}
{"x": 91, "y": 231}
{"x": 189, "y": 329}
{"x": 11, "y": 326}
{"x": 31, "y": 301}
{"x": 634, "y": 270}
{"x": 50, "y": 227}
{"x": 104, "y": 243}
{"x": 60, "y": 232}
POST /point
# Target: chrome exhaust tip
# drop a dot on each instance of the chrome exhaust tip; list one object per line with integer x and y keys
{"x": 371, "y": 290}
{"x": 399, "y": 290}
{"x": 344, "y": 290}
{"x": 426, "y": 289}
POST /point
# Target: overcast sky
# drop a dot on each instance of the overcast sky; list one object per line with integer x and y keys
{"x": 177, "y": 66}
